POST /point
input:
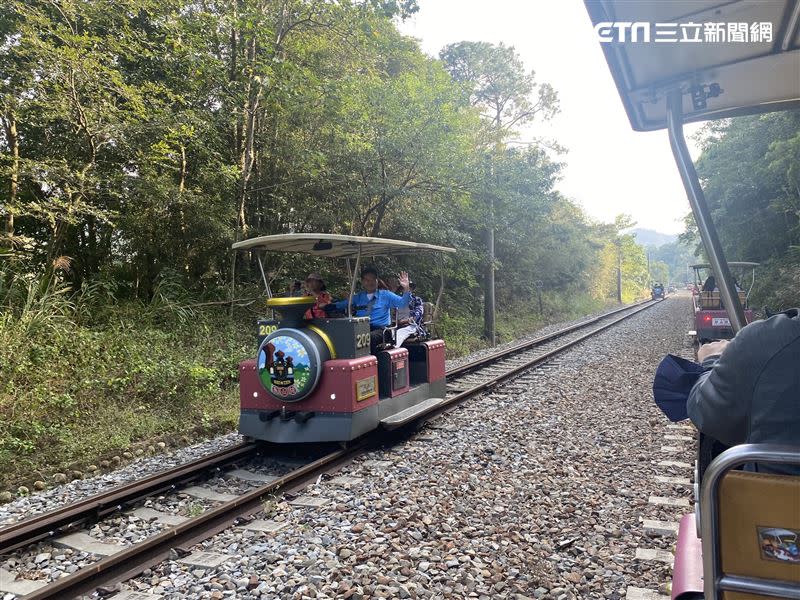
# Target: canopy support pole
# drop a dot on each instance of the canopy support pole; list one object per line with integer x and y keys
{"x": 353, "y": 283}
{"x": 263, "y": 275}
{"x": 702, "y": 216}
{"x": 441, "y": 292}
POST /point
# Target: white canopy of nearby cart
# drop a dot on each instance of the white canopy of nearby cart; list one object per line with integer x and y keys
{"x": 336, "y": 246}
{"x": 730, "y": 264}
{"x": 757, "y": 70}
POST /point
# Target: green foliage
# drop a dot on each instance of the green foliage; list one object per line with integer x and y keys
{"x": 751, "y": 178}
{"x": 462, "y": 329}
{"x": 69, "y": 389}
{"x": 140, "y": 138}
{"x": 677, "y": 256}
{"x": 495, "y": 79}
{"x": 659, "y": 272}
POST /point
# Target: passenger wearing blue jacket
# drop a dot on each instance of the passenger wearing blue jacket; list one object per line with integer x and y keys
{"x": 751, "y": 395}
{"x": 376, "y": 304}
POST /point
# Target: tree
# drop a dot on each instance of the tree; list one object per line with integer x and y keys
{"x": 496, "y": 82}
{"x": 756, "y": 209}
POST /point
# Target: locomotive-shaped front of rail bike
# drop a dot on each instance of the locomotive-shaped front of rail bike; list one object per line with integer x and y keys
{"x": 315, "y": 380}
{"x": 657, "y": 291}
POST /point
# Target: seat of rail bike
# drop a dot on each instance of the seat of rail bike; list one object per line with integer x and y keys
{"x": 390, "y": 332}
{"x": 712, "y": 300}
{"x": 759, "y": 527}
{"x": 751, "y": 538}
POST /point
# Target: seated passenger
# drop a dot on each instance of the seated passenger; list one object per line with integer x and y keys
{"x": 296, "y": 289}
{"x": 409, "y": 320}
{"x": 376, "y": 304}
{"x": 315, "y": 286}
{"x": 751, "y": 395}
{"x": 710, "y": 284}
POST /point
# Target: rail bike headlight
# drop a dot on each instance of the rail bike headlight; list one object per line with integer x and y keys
{"x": 290, "y": 362}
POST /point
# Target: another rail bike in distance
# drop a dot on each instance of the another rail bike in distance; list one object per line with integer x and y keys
{"x": 711, "y": 319}
{"x": 742, "y": 541}
{"x": 315, "y": 380}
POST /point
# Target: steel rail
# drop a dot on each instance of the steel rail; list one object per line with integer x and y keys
{"x": 133, "y": 560}
{"x": 486, "y": 385}
{"x": 99, "y": 505}
{"x": 540, "y": 340}
{"x": 47, "y": 524}
{"x": 138, "y": 557}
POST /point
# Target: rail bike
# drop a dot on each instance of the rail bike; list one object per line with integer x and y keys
{"x": 741, "y": 543}
{"x": 711, "y": 320}
{"x": 315, "y": 379}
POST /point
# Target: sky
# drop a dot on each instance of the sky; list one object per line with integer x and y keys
{"x": 610, "y": 169}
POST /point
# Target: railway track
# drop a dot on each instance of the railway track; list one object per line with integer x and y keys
{"x": 462, "y": 383}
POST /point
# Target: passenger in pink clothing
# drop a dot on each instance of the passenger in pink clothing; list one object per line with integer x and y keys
{"x": 315, "y": 286}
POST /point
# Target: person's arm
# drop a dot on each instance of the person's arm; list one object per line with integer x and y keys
{"x": 720, "y": 402}
{"x": 395, "y": 301}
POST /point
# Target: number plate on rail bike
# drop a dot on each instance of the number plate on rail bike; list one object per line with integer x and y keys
{"x": 720, "y": 322}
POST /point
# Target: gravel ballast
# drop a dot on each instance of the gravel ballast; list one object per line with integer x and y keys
{"x": 537, "y": 490}
{"x": 59, "y": 495}
{"x": 37, "y": 503}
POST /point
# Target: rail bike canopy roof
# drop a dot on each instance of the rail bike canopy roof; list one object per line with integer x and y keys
{"x": 750, "y": 76}
{"x": 730, "y": 264}
{"x": 336, "y": 246}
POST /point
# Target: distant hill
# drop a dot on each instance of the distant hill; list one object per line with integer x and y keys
{"x": 649, "y": 237}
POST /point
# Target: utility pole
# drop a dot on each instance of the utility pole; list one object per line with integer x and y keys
{"x": 489, "y": 297}
{"x": 488, "y": 301}
{"x": 539, "y": 284}
{"x": 619, "y": 270}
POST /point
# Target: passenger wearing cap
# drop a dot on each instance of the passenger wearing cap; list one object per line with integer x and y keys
{"x": 315, "y": 286}
{"x": 376, "y": 303}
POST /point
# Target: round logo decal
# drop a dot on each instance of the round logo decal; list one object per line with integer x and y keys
{"x": 285, "y": 368}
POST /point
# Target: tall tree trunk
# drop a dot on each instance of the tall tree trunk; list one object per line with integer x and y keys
{"x": 489, "y": 330}
{"x": 379, "y": 214}
{"x": 251, "y": 107}
{"x": 237, "y": 131}
{"x": 10, "y": 123}
{"x": 181, "y": 211}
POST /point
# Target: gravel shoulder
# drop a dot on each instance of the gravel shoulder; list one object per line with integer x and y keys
{"x": 56, "y": 497}
{"x": 538, "y": 490}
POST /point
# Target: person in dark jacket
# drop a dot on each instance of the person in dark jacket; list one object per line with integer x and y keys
{"x": 752, "y": 393}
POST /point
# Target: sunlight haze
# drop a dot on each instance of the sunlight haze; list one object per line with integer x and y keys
{"x": 610, "y": 169}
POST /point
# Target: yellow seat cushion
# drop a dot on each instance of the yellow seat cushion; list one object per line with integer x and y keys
{"x": 759, "y": 519}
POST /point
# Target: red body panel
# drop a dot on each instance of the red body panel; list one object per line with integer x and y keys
{"x": 398, "y": 362}
{"x": 687, "y": 575}
{"x": 436, "y": 368}
{"x": 339, "y": 379}
{"x": 705, "y": 317}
